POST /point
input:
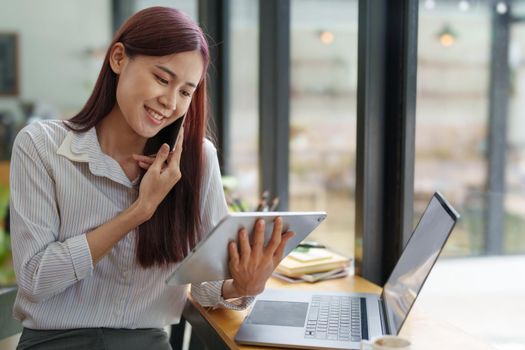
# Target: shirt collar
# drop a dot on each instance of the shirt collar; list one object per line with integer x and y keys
{"x": 83, "y": 147}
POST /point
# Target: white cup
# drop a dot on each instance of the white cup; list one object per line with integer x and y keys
{"x": 386, "y": 342}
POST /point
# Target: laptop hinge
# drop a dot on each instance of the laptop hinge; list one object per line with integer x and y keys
{"x": 382, "y": 314}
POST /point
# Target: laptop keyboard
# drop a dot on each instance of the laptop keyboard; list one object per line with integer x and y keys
{"x": 334, "y": 318}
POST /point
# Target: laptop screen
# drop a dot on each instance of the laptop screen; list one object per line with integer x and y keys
{"x": 416, "y": 261}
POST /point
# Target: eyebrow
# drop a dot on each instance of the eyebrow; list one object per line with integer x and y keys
{"x": 175, "y": 75}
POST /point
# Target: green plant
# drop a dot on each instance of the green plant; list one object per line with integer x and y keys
{"x": 7, "y": 274}
{"x": 4, "y": 201}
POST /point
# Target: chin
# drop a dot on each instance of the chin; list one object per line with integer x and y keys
{"x": 146, "y": 131}
{"x": 150, "y": 134}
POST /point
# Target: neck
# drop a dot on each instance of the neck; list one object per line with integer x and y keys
{"x": 117, "y": 139}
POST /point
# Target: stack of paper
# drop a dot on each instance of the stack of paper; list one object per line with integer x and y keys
{"x": 314, "y": 277}
{"x": 311, "y": 262}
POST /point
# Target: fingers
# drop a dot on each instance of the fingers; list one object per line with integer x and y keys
{"x": 278, "y": 254}
{"x": 244, "y": 246}
{"x": 141, "y": 158}
{"x": 234, "y": 254}
{"x": 275, "y": 240}
{"x": 258, "y": 236}
{"x": 175, "y": 155}
{"x": 161, "y": 157}
{"x": 143, "y": 161}
{"x": 144, "y": 165}
{"x": 178, "y": 144}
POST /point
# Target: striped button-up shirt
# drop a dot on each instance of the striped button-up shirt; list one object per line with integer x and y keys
{"x": 62, "y": 187}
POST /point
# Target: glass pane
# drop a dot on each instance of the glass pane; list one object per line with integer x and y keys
{"x": 453, "y": 111}
{"x": 514, "y": 199}
{"x": 244, "y": 102}
{"x": 323, "y": 115}
{"x": 453, "y": 147}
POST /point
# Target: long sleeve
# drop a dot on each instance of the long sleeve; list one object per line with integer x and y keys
{"x": 44, "y": 266}
{"x": 214, "y": 208}
{"x": 209, "y": 294}
{"x": 64, "y": 186}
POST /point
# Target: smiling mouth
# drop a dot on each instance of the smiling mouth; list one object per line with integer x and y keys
{"x": 154, "y": 114}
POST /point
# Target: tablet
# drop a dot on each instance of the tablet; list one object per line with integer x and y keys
{"x": 208, "y": 261}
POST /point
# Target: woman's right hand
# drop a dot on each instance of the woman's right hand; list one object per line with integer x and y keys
{"x": 160, "y": 177}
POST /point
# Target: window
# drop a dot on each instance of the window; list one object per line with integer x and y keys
{"x": 453, "y": 116}
{"x": 244, "y": 91}
{"x": 464, "y": 150}
{"x": 323, "y": 115}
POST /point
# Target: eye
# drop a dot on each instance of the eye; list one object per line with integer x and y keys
{"x": 161, "y": 80}
{"x": 185, "y": 93}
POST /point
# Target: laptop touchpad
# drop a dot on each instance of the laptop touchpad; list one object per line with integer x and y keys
{"x": 278, "y": 313}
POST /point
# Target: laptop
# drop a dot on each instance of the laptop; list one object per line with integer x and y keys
{"x": 324, "y": 320}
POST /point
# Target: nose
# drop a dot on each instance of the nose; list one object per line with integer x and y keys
{"x": 168, "y": 101}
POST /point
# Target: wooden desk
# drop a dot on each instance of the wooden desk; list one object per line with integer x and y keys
{"x": 217, "y": 328}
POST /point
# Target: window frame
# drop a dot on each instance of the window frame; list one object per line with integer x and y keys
{"x": 386, "y": 101}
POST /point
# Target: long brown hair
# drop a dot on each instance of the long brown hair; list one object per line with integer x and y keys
{"x": 174, "y": 228}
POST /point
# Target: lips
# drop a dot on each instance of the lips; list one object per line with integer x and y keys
{"x": 154, "y": 115}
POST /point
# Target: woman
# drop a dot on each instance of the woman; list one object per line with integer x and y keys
{"x": 98, "y": 224}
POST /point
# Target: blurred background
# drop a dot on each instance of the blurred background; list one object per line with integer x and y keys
{"x": 51, "y": 52}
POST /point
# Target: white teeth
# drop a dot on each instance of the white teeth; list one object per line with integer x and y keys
{"x": 155, "y": 114}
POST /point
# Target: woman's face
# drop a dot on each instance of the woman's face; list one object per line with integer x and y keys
{"x": 153, "y": 92}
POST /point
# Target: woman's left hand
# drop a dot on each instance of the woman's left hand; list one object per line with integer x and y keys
{"x": 252, "y": 264}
